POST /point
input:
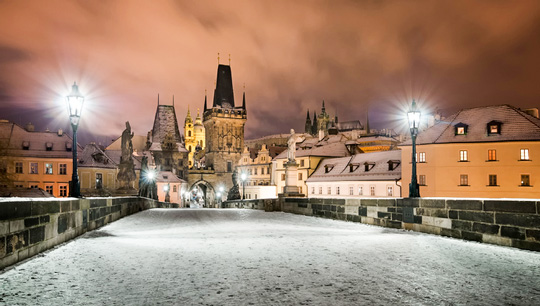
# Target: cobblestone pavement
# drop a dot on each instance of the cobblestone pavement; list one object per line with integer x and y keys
{"x": 247, "y": 257}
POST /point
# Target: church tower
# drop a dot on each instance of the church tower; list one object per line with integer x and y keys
{"x": 324, "y": 120}
{"x": 224, "y": 125}
{"x": 308, "y": 129}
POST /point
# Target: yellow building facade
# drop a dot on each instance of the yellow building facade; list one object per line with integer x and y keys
{"x": 488, "y": 152}
{"x": 194, "y": 135}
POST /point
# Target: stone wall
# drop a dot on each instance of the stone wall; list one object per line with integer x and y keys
{"x": 513, "y": 223}
{"x": 30, "y": 227}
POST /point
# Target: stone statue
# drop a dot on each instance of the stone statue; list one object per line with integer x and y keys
{"x": 126, "y": 173}
{"x": 127, "y": 145}
{"x": 291, "y": 152}
{"x": 234, "y": 192}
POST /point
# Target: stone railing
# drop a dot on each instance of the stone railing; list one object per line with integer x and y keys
{"x": 514, "y": 223}
{"x": 30, "y": 227}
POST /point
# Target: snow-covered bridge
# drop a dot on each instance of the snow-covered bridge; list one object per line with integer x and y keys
{"x": 248, "y": 257}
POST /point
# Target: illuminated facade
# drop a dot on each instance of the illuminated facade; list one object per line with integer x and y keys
{"x": 33, "y": 159}
{"x": 194, "y": 136}
{"x": 486, "y": 152}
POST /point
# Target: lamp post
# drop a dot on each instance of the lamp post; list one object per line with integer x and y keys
{"x": 414, "y": 122}
{"x": 75, "y": 103}
{"x": 243, "y": 177}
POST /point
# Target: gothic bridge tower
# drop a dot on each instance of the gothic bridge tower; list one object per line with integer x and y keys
{"x": 224, "y": 125}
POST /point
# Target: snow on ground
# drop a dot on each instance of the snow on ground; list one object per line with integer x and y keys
{"x": 249, "y": 257}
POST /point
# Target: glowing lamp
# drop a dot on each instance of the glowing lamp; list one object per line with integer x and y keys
{"x": 414, "y": 118}
{"x": 75, "y": 103}
{"x": 414, "y": 122}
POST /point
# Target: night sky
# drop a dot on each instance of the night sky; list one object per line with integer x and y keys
{"x": 290, "y": 54}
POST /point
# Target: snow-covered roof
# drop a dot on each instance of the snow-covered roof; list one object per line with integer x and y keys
{"x": 20, "y": 142}
{"x": 168, "y": 177}
{"x": 515, "y": 124}
{"x": 93, "y": 156}
{"x": 381, "y": 166}
{"x": 336, "y": 149}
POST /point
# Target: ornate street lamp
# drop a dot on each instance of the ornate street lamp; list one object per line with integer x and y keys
{"x": 75, "y": 102}
{"x": 243, "y": 177}
{"x": 414, "y": 123}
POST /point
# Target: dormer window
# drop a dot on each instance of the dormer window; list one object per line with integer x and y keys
{"x": 69, "y": 146}
{"x": 328, "y": 168}
{"x": 26, "y": 145}
{"x": 368, "y": 166}
{"x": 393, "y": 164}
{"x": 353, "y": 167}
{"x": 494, "y": 127}
{"x": 48, "y": 146}
{"x": 461, "y": 129}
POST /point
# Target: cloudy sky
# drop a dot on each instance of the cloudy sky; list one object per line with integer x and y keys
{"x": 356, "y": 55}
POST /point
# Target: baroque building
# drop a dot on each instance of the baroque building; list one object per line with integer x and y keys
{"x": 194, "y": 136}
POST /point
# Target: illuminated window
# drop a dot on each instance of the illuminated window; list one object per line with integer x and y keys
{"x": 494, "y": 127}
{"x": 299, "y": 176}
{"x": 174, "y": 188}
{"x": 312, "y": 190}
{"x": 320, "y": 189}
{"x": 18, "y": 167}
{"x": 189, "y": 135}
{"x": 460, "y": 130}
{"x": 524, "y": 154}
{"x": 360, "y": 190}
{"x": 48, "y": 168}
{"x": 492, "y": 155}
{"x": 463, "y": 155}
{"x": 492, "y": 180}
{"x": 422, "y": 157}
{"x": 62, "y": 169}
{"x": 351, "y": 190}
{"x": 464, "y": 180}
{"x": 301, "y": 163}
{"x": 389, "y": 191}
{"x": 422, "y": 180}
{"x": 372, "y": 190}
{"x": 329, "y": 190}
{"x": 99, "y": 181}
{"x": 33, "y": 168}
{"x": 525, "y": 180}
{"x": 283, "y": 177}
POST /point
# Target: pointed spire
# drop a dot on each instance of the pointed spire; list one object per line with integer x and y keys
{"x": 188, "y": 116}
{"x": 157, "y": 99}
{"x": 205, "y": 108}
{"x": 198, "y": 115}
{"x": 307, "y": 117}
{"x": 244, "y": 98}
{"x": 323, "y": 110}
{"x": 172, "y": 100}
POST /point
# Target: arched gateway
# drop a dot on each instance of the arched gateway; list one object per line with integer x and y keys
{"x": 202, "y": 194}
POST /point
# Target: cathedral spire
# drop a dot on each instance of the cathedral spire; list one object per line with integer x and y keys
{"x": 315, "y": 125}
{"x": 308, "y": 127}
{"x": 188, "y": 116}
{"x": 323, "y": 110}
{"x": 244, "y": 102}
{"x": 157, "y": 99}
{"x": 223, "y": 94}
{"x": 205, "y": 108}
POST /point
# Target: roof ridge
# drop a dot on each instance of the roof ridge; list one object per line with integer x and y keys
{"x": 453, "y": 119}
{"x": 521, "y": 113}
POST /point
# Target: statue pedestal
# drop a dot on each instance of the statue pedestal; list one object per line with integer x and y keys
{"x": 291, "y": 180}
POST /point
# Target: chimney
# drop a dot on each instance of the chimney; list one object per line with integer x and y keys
{"x": 532, "y": 111}
{"x": 29, "y": 127}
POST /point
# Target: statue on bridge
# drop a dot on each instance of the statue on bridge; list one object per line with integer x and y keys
{"x": 126, "y": 174}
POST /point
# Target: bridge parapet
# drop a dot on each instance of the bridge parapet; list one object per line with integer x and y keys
{"x": 31, "y": 226}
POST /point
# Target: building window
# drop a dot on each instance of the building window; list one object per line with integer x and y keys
{"x": 372, "y": 190}
{"x": 422, "y": 180}
{"x": 525, "y": 180}
{"x": 262, "y": 170}
{"x": 49, "y": 189}
{"x": 337, "y": 190}
{"x": 255, "y": 171}
{"x": 351, "y": 190}
{"x": 34, "y": 186}
{"x": 389, "y": 191}
{"x": 524, "y": 154}
{"x": 464, "y": 180}
{"x": 48, "y": 168}
{"x": 18, "y": 167}
{"x": 329, "y": 190}
{"x": 492, "y": 155}
{"x": 463, "y": 155}
{"x": 312, "y": 190}
{"x": 283, "y": 177}
{"x": 63, "y": 169}
{"x": 320, "y": 189}
{"x": 189, "y": 135}
{"x": 422, "y": 157}
{"x": 99, "y": 181}
{"x": 174, "y": 188}
{"x": 301, "y": 163}
{"x": 494, "y": 127}
{"x": 229, "y": 166}
{"x": 300, "y": 189}
{"x": 33, "y": 168}
{"x": 492, "y": 180}
{"x": 461, "y": 129}
{"x": 360, "y": 190}
{"x": 299, "y": 176}
{"x": 63, "y": 191}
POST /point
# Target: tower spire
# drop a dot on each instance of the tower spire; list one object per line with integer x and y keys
{"x": 157, "y": 99}
{"x": 205, "y": 108}
{"x": 172, "y": 100}
{"x": 323, "y": 108}
{"x": 244, "y": 100}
